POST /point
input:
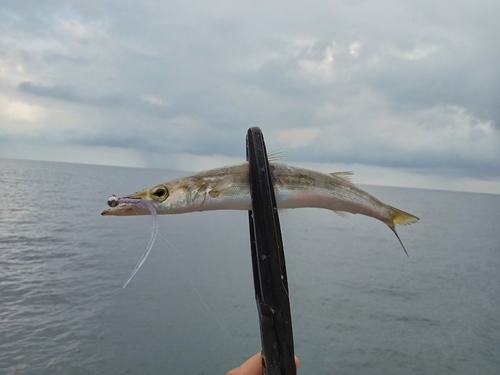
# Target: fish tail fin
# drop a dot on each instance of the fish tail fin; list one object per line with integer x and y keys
{"x": 402, "y": 218}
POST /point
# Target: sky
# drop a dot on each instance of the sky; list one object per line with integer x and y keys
{"x": 403, "y": 93}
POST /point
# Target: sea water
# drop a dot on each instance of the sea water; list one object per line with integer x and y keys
{"x": 359, "y": 305}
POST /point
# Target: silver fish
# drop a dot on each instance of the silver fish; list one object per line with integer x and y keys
{"x": 228, "y": 188}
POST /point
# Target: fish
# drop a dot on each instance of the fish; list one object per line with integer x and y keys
{"x": 228, "y": 188}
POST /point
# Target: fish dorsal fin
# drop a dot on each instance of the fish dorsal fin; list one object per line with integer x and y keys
{"x": 344, "y": 215}
{"x": 343, "y": 175}
{"x": 220, "y": 186}
{"x": 276, "y": 156}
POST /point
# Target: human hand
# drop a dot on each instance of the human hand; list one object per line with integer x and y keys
{"x": 253, "y": 366}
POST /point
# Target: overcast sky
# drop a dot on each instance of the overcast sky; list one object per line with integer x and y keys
{"x": 404, "y": 93}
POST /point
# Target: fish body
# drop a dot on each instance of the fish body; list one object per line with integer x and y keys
{"x": 228, "y": 188}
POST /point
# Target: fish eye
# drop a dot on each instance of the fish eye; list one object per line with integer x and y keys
{"x": 159, "y": 193}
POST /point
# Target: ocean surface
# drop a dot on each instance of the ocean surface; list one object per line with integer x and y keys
{"x": 359, "y": 305}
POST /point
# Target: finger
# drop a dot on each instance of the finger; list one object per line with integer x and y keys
{"x": 297, "y": 362}
{"x": 253, "y": 366}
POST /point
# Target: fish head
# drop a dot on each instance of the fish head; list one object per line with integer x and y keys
{"x": 166, "y": 198}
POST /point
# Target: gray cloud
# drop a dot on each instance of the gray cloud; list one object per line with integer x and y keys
{"x": 410, "y": 86}
{"x": 71, "y": 94}
{"x": 55, "y": 91}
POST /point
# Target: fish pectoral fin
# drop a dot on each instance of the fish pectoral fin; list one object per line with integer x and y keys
{"x": 344, "y": 215}
{"x": 347, "y": 175}
{"x": 220, "y": 186}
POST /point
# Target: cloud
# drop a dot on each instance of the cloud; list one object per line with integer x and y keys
{"x": 299, "y": 137}
{"x": 154, "y": 100}
{"x": 71, "y": 94}
{"x": 355, "y": 48}
{"x": 55, "y": 91}
{"x": 17, "y": 111}
{"x": 405, "y": 86}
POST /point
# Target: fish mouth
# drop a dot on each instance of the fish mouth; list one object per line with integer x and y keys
{"x": 125, "y": 211}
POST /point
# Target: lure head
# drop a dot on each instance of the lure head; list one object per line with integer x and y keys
{"x": 112, "y": 201}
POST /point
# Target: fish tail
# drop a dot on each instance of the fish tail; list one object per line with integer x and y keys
{"x": 402, "y": 218}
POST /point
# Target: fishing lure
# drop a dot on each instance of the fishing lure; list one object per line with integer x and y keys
{"x": 113, "y": 201}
